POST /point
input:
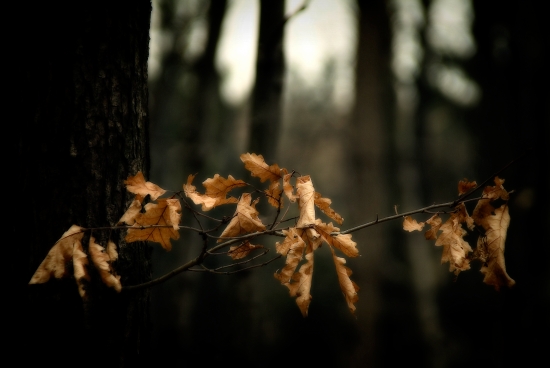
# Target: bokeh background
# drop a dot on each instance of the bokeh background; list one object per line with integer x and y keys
{"x": 384, "y": 103}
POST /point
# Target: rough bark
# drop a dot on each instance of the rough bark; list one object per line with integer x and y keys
{"x": 82, "y": 130}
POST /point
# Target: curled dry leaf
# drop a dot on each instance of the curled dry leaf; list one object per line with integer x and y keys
{"x": 464, "y": 186}
{"x": 288, "y": 188}
{"x": 410, "y": 224}
{"x": 245, "y": 220}
{"x": 138, "y": 185}
{"x": 341, "y": 242}
{"x": 274, "y": 195}
{"x": 241, "y": 250}
{"x": 62, "y": 252}
{"x": 300, "y": 284}
{"x": 455, "y": 248}
{"x": 158, "y": 224}
{"x": 258, "y": 168}
{"x": 80, "y": 267}
{"x": 348, "y": 287}
{"x": 132, "y": 212}
{"x": 324, "y": 205}
{"x": 102, "y": 261}
{"x": 217, "y": 189}
{"x": 494, "y": 218}
{"x": 306, "y": 202}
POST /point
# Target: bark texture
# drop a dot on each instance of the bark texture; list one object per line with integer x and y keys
{"x": 83, "y": 129}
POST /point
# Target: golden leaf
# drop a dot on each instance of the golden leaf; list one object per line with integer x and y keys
{"x": 490, "y": 245}
{"x": 62, "y": 252}
{"x": 348, "y": 287}
{"x": 158, "y": 224}
{"x": 245, "y": 219}
{"x": 217, "y": 189}
{"x": 435, "y": 224}
{"x": 80, "y": 268}
{"x": 292, "y": 247}
{"x": 138, "y": 185}
{"x": 300, "y": 283}
{"x": 257, "y": 167}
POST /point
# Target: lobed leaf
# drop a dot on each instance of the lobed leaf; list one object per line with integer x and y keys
{"x": 258, "y": 168}
{"x": 217, "y": 189}
{"x": 245, "y": 220}
{"x": 348, "y": 287}
{"x": 166, "y": 215}
{"x": 138, "y": 185}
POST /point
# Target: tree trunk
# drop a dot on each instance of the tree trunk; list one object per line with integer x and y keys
{"x": 82, "y": 130}
{"x": 268, "y": 87}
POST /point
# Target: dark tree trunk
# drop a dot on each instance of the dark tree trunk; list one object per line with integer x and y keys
{"x": 268, "y": 87}
{"x": 81, "y": 131}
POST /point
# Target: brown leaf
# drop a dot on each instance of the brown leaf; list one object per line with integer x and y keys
{"x": 257, "y": 167}
{"x": 293, "y": 248}
{"x": 348, "y": 287}
{"x": 138, "y": 185}
{"x": 274, "y": 195}
{"x": 217, "y": 189}
{"x": 455, "y": 248}
{"x": 490, "y": 245}
{"x": 242, "y": 250}
{"x": 324, "y": 205}
{"x": 288, "y": 188}
{"x": 162, "y": 214}
{"x": 102, "y": 261}
{"x": 464, "y": 186}
{"x": 131, "y": 213}
{"x": 62, "y": 252}
{"x": 300, "y": 285}
{"x": 306, "y": 203}
{"x": 435, "y": 224}
{"x": 245, "y": 219}
{"x": 341, "y": 242}
{"x": 80, "y": 267}
{"x": 410, "y": 224}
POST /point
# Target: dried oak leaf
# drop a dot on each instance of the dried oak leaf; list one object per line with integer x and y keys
{"x": 257, "y": 167}
{"x": 455, "y": 248}
{"x": 348, "y": 287}
{"x": 245, "y": 220}
{"x": 241, "y": 250}
{"x": 62, "y": 252}
{"x": 274, "y": 195}
{"x": 102, "y": 261}
{"x": 138, "y": 185}
{"x": 300, "y": 283}
{"x": 341, "y": 242}
{"x": 410, "y": 224}
{"x": 306, "y": 202}
{"x": 292, "y": 247}
{"x": 435, "y": 224}
{"x": 288, "y": 188}
{"x": 80, "y": 267}
{"x": 217, "y": 189}
{"x": 324, "y": 205}
{"x": 159, "y": 223}
{"x": 494, "y": 218}
{"x": 464, "y": 186}
{"x": 132, "y": 212}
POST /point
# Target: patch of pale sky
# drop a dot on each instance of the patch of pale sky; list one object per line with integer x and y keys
{"x": 325, "y": 30}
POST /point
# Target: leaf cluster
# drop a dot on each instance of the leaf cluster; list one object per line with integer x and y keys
{"x": 158, "y": 220}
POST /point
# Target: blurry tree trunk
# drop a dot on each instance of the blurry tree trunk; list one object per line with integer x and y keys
{"x": 369, "y": 147}
{"x": 268, "y": 87}
{"x": 82, "y": 130}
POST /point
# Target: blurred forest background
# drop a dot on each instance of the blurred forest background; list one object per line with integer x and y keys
{"x": 383, "y": 103}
